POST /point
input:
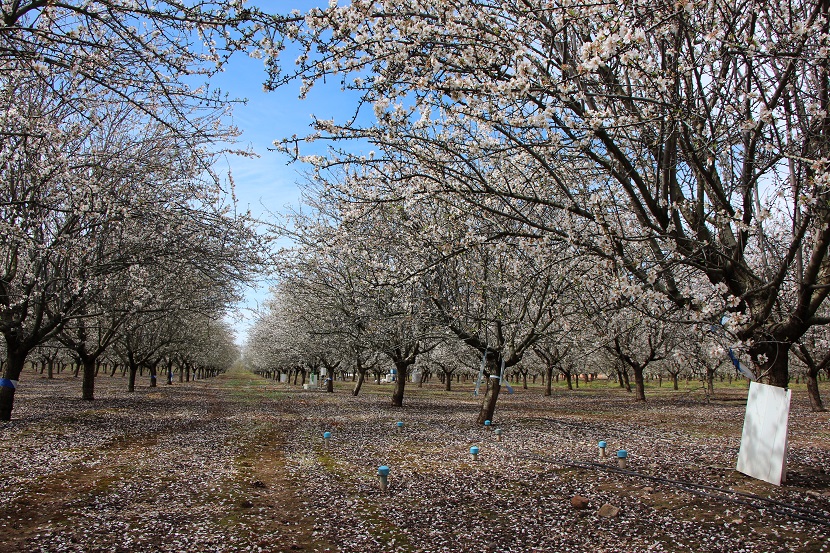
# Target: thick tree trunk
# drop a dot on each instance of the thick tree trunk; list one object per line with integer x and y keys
{"x": 491, "y": 396}
{"x": 330, "y": 380}
{"x": 50, "y": 369}
{"x": 131, "y": 381}
{"x": 88, "y": 386}
{"x": 11, "y": 374}
{"x": 640, "y": 383}
{"x": 548, "y": 380}
{"x": 447, "y": 382}
{"x": 777, "y": 361}
{"x": 674, "y": 381}
{"x": 400, "y": 384}
{"x": 569, "y": 380}
{"x": 816, "y": 405}
{"x": 710, "y": 381}
{"x": 153, "y": 376}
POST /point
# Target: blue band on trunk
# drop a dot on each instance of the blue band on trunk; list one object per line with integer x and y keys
{"x": 6, "y": 383}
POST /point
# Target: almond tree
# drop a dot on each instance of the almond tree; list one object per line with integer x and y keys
{"x": 154, "y": 55}
{"x": 812, "y": 350}
{"x": 683, "y": 142}
{"x": 105, "y": 121}
{"x": 354, "y": 266}
{"x": 84, "y": 203}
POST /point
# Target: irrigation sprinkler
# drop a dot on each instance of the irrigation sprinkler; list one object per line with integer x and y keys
{"x": 383, "y": 476}
{"x": 602, "y": 452}
{"x": 474, "y": 452}
{"x": 327, "y": 437}
{"x": 488, "y": 424}
{"x": 498, "y": 432}
{"x": 399, "y": 424}
{"x": 622, "y": 459}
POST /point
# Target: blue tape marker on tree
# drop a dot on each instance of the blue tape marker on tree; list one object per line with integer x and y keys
{"x": 6, "y": 383}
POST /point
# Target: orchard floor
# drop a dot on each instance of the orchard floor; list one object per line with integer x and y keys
{"x": 238, "y": 463}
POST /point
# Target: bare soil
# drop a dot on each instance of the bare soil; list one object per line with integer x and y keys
{"x": 238, "y": 463}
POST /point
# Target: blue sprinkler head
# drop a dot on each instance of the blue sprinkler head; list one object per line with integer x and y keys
{"x": 487, "y": 423}
{"x": 622, "y": 454}
{"x": 474, "y": 450}
{"x": 399, "y": 424}
{"x": 327, "y": 435}
{"x": 383, "y": 470}
{"x": 602, "y": 445}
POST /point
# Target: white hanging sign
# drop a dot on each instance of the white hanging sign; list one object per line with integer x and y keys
{"x": 763, "y": 453}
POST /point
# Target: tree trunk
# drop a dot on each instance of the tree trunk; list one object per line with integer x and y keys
{"x": 8, "y": 385}
{"x": 816, "y": 404}
{"x": 548, "y": 379}
{"x": 640, "y": 383}
{"x": 330, "y": 380}
{"x": 524, "y": 381}
{"x": 361, "y": 377}
{"x": 491, "y": 396}
{"x": 152, "y": 369}
{"x": 674, "y": 381}
{"x": 626, "y": 381}
{"x": 88, "y": 386}
{"x": 447, "y": 382}
{"x": 710, "y": 381}
{"x": 569, "y": 380}
{"x": 50, "y": 369}
{"x": 777, "y": 361}
{"x": 131, "y": 381}
{"x": 400, "y": 384}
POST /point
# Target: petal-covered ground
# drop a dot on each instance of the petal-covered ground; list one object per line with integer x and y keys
{"x": 238, "y": 463}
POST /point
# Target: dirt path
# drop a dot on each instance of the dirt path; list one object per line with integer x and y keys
{"x": 180, "y": 468}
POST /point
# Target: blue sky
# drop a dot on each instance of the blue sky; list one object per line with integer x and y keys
{"x": 268, "y": 183}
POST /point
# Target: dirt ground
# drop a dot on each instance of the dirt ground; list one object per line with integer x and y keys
{"x": 238, "y": 463}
